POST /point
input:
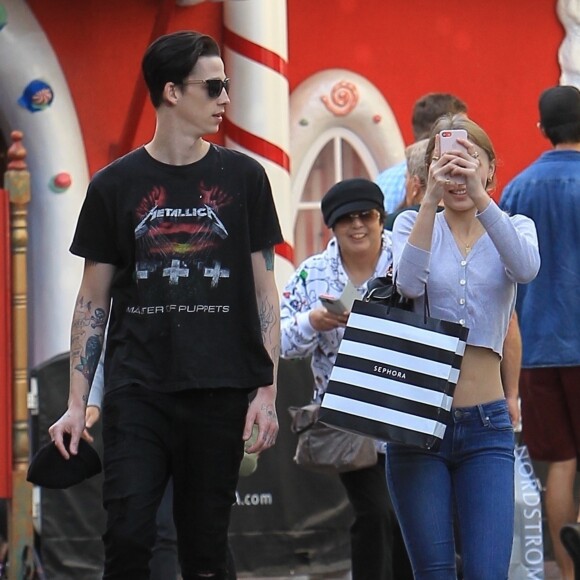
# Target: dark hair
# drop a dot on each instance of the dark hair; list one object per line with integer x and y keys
{"x": 382, "y": 216}
{"x": 171, "y": 58}
{"x": 430, "y": 107}
{"x": 474, "y": 133}
{"x": 560, "y": 114}
{"x": 568, "y": 133}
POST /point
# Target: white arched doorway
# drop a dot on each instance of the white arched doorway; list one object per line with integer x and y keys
{"x": 341, "y": 126}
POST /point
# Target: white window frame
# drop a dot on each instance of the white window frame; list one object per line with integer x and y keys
{"x": 336, "y": 135}
{"x": 361, "y": 117}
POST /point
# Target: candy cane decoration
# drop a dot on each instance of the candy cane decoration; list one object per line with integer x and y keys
{"x": 256, "y": 54}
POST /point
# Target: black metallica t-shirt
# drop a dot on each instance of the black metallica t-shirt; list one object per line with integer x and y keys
{"x": 184, "y": 312}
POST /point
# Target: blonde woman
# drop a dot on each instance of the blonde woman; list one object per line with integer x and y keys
{"x": 470, "y": 257}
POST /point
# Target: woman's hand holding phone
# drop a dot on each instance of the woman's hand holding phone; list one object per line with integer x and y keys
{"x": 436, "y": 177}
{"x": 323, "y": 320}
{"x": 450, "y": 141}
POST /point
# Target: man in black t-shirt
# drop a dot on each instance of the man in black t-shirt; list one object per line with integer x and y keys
{"x": 178, "y": 240}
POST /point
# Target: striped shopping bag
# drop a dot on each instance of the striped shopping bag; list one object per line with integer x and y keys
{"x": 394, "y": 375}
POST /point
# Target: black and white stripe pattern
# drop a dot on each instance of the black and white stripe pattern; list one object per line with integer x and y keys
{"x": 394, "y": 375}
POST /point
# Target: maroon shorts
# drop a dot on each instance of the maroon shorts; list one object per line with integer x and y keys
{"x": 551, "y": 412}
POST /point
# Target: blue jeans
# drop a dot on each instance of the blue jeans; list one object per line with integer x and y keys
{"x": 471, "y": 478}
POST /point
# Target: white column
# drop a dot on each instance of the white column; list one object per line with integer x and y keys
{"x": 258, "y": 122}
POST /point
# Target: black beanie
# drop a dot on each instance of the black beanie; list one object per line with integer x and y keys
{"x": 50, "y": 469}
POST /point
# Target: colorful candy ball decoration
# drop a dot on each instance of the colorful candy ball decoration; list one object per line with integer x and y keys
{"x": 60, "y": 182}
{"x": 37, "y": 96}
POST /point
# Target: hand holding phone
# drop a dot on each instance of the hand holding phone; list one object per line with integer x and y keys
{"x": 343, "y": 303}
{"x": 448, "y": 142}
{"x": 333, "y": 304}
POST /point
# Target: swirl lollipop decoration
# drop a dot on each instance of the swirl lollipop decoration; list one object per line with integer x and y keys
{"x": 343, "y": 98}
{"x": 37, "y": 96}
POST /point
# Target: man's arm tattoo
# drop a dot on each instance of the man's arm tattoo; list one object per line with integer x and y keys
{"x": 267, "y": 318}
{"x": 89, "y": 361}
{"x": 268, "y": 323}
{"x": 86, "y": 346}
{"x": 268, "y": 254}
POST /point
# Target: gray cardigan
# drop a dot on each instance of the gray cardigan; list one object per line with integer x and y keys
{"x": 478, "y": 290}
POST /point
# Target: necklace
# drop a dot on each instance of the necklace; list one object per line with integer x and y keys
{"x": 473, "y": 231}
{"x": 467, "y": 245}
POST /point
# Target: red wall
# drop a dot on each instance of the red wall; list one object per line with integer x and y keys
{"x": 100, "y": 50}
{"x": 496, "y": 55}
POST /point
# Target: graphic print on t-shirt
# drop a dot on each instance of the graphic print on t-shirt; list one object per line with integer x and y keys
{"x": 178, "y": 246}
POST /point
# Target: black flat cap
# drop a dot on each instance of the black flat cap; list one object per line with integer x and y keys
{"x": 348, "y": 196}
{"x": 50, "y": 469}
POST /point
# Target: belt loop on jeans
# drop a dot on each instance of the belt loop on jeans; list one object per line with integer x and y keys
{"x": 483, "y": 415}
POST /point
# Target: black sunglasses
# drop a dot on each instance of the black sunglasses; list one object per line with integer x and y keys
{"x": 367, "y": 217}
{"x": 214, "y": 86}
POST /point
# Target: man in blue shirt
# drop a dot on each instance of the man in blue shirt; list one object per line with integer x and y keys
{"x": 548, "y": 191}
{"x": 426, "y": 111}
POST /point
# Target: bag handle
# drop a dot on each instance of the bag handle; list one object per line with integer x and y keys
{"x": 383, "y": 290}
{"x": 426, "y": 308}
{"x": 303, "y": 418}
{"x": 426, "y": 305}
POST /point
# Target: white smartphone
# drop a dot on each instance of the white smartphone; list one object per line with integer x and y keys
{"x": 343, "y": 303}
{"x": 448, "y": 142}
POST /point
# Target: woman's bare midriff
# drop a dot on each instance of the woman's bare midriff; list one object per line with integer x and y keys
{"x": 480, "y": 378}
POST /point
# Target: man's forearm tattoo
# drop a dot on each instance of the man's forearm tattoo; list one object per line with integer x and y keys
{"x": 89, "y": 361}
{"x": 86, "y": 345}
{"x": 267, "y": 318}
{"x": 268, "y": 254}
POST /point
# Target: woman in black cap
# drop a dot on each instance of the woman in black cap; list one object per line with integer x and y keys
{"x": 360, "y": 250}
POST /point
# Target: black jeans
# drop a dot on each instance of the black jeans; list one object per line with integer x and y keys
{"x": 195, "y": 436}
{"x": 164, "y": 564}
{"x": 377, "y": 548}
